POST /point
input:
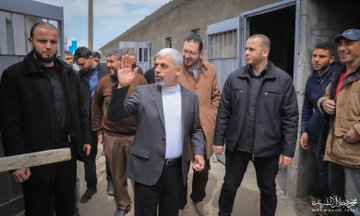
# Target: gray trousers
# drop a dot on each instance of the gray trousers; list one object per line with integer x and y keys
{"x": 352, "y": 187}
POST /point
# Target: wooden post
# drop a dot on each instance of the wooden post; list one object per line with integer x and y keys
{"x": 34, "y": 159}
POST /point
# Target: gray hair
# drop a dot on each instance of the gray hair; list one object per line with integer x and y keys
{"x": 175, "y": 55}
{"x": 118, "y": 53}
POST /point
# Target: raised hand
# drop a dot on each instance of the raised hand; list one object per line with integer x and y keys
{"x": 125, "y": 74}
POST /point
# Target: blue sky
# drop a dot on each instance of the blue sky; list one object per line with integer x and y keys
{"x": 111, "y": 17}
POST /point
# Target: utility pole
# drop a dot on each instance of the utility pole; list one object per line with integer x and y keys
{"x": 90, "y": 25}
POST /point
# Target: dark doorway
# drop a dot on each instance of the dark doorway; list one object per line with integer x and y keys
{"x": 279, "y": 26}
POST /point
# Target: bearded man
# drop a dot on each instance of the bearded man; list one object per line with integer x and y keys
{"x": 42, "y": 109}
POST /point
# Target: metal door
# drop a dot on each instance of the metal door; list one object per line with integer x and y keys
{"x": 141, "y": 50}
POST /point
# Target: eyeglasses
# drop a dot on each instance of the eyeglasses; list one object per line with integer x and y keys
{"x": 191, "y": 53}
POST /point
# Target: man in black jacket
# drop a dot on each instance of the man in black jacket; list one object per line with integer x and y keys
{"x": 41, "y": 108}
{"x": 90, "y": 73}
{"x": 258, "y": 119}
{"x": 324, "y": 68}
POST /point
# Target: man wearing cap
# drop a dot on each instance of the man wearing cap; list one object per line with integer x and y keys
{"x": 341, "y": 104}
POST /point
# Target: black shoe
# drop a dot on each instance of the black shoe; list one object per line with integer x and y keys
{"x": 76, "y": 212}
{"x": 110, "y": 188}
{"x": 87, "y": 195}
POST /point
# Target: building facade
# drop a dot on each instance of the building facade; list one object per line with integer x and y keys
{"x": 293, "y": 26}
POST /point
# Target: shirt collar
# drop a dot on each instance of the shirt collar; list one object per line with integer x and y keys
{"x": 195, "y": 68}
{"x": 262, "y": 74}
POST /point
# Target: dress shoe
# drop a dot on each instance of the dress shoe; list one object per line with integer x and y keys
{"x": 87, "y": 195}
{"x": 120, "y": 212}
{"x": 110, "y": 188}
{"x": 201, "y": 208}
{"x": 76, "y": 212}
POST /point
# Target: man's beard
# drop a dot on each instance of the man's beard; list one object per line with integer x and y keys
{"x": 161, "y": 83}
{"x": 165, "y": 82}
{"x": 113, "y": 73}
{"x": 191, "y": 65}
{"x": 44, "y": 59}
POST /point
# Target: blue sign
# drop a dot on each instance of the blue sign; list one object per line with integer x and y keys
{"x": 73, "y": 46}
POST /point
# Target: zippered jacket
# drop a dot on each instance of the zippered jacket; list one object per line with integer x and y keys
{"x": 311, "y": 118}
{"x": 276, "y": 118}
{"x": 347, "y": 116}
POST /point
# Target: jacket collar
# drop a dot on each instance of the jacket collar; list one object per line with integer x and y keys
{"x": 354, "y": 76}
{"x": 270, "y": 71}
{"x": 201, "y": 66}
{"x": 332, "y": 67}
{"x": 32, "y": 65}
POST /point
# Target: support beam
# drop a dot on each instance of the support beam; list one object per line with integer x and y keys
{"x": 34, "y": 159}
{"x": 90, "y": 25}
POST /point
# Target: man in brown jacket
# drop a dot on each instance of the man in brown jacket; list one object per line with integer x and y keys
{"x": 341, "y": 104}
{"x": 200, "y": 77}
{"x": 117, "y": 137}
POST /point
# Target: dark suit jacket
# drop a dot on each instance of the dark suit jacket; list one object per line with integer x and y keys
{"x": 147, "y": 156}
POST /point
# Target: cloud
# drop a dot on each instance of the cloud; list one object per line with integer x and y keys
{"x": 140, "y": 3}
{"x": 125, "y": 7}
{"x": 72, "y": 8}
{"x": 111, "y": 17}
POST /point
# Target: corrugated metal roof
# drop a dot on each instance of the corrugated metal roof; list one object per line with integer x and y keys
{"x": 166, "y": 8}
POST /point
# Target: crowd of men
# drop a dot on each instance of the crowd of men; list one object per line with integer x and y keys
{"x": 155, "y": 126}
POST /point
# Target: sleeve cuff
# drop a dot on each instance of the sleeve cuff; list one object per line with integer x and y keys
{"x": 319, "y": 102}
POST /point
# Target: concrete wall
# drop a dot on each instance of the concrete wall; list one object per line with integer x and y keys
{"x": 178, "y": 23}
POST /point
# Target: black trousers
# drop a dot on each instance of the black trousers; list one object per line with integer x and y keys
{"x": 163, "y": 197}
{"x": 320, "y": 185}
{"x": 43, "y": 198}
{"x": 235, "y": 168}
{"x": 90, "y": 165}
{"x": 199, "y": 183}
